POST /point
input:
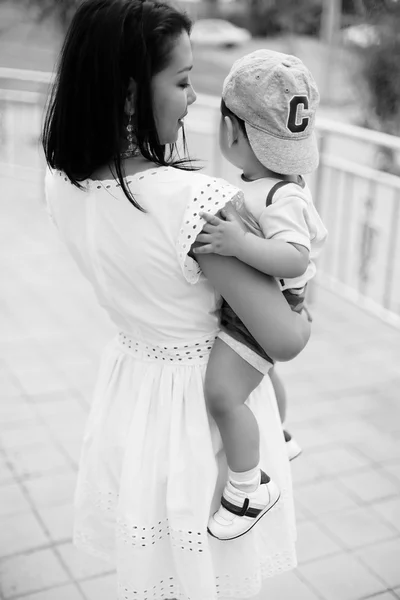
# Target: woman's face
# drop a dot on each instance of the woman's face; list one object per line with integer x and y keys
{"x": 172, "y": 91}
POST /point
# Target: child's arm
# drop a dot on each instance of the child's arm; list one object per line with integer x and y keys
{"x": 282, "y": 332}
{"x": 273, "y": 257}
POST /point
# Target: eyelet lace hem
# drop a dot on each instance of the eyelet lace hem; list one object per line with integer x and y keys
{"x": 210, "y": 198}
{"x": 226, "y": 586}
{"x": 150, "y": 541}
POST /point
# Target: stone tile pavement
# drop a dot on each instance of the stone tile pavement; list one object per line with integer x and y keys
{"x": 344, "y": 409}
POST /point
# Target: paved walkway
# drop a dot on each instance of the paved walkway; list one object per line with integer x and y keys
{"x": 344, "y": 409}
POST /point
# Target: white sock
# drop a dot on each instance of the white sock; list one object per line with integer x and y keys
{"x": 246, "y": 481}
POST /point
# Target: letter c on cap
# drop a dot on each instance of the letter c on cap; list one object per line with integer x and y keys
{"x": 292, "y": 124}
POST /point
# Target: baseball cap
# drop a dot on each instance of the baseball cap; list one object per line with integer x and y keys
{"x": 277, "y": 98}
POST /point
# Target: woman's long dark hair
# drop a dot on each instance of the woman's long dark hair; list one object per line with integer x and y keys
{"x": 109, "y": 42}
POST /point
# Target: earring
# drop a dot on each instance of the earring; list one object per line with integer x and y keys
{"x": 132, "y": 149}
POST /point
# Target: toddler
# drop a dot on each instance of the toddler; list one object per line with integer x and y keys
{"x": 268, "y": 110}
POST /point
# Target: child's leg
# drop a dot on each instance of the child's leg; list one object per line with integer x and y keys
{"x": 280, "y": 393}
{"x": 249, "y": 492}
{"x": 229, "y": 382}
{"x": 292, "y": 447}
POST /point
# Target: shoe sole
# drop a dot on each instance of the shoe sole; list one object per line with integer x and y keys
{"x": 247, "y": 530}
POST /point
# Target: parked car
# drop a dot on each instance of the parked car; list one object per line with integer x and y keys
{"x": 218, "y": 32}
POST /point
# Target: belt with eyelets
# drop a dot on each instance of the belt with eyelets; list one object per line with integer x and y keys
{"x": 189, "y": 353}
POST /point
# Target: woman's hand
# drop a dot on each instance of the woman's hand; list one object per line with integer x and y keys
{"x": 220, "y": 236}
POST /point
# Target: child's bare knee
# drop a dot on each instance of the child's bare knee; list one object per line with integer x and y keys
{"x": 218, "y": 397}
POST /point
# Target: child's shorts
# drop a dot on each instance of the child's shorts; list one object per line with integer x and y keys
{"x": 236, "y": 335}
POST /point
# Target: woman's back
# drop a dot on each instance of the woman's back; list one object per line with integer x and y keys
{"x": 151, "y": 456}
{"x": 137, "y": 261}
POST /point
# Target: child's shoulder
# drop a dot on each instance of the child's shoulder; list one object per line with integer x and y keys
{"x": 264, "y": 192}
{"x": 279, "y": 190}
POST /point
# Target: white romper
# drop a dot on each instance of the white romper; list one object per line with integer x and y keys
{"x": 152, "y": 467}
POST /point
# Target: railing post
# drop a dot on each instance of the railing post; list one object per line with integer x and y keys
{"x": 392, "y": 247}
{"x": 317, "y": 192}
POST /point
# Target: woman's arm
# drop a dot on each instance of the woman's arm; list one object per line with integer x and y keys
{"x": 259, "y": 303}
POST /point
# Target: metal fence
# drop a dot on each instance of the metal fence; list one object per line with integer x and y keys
{"x": 359, "y": 203}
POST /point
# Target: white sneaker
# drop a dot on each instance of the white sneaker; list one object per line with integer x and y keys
{"x": 292, "y": 447}
{"x": 240, "y": 511}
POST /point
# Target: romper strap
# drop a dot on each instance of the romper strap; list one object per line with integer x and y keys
{"x": 271, "y": 193}
{"x": 278, "y": 185}
{"x": 274, "y": 189}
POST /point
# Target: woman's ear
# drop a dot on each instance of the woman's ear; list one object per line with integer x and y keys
{"x": 232, "y": 130}
{"x": 130, "y": 98}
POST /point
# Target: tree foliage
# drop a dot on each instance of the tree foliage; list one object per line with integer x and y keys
{"x": 271, "y": 17}
{"x": 380, "y": 71}
{"x": 60, "y": 11}
{"x": 381, "y": 66}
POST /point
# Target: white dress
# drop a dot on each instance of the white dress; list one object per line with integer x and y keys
{"x": 152, "y": 467}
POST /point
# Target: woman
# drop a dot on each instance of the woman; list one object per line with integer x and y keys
{"x": 152, "y": 466}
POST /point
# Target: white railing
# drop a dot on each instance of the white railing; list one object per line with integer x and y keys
{"x": 359, "y": 204}
{"x": 361, "y": 207}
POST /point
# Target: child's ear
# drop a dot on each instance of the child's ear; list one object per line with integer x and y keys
{"x": 232, "y": 130}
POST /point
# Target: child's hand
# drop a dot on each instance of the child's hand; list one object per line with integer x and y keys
{"x": 218, "y": 236}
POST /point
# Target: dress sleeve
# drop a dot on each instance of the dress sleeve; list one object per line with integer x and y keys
{"x": 287, "y": 219}
{"x": 209, "y": 196}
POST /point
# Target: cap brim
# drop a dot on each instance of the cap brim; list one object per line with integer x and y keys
{"x": 286, "y": 157}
